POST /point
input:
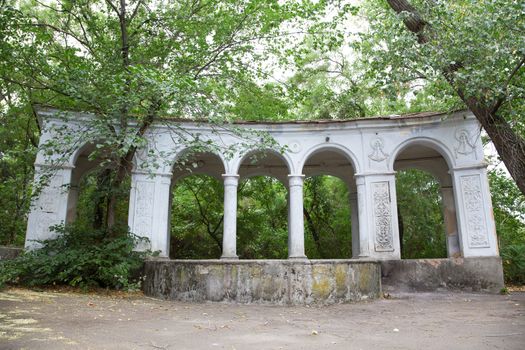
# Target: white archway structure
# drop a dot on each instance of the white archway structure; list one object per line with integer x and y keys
{"x": 374, "y": 148}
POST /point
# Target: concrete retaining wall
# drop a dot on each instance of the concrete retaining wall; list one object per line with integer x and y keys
{"x": 7, "y": 253}
{"x": 464, "y": 274}
{"x": 263, "y": 281}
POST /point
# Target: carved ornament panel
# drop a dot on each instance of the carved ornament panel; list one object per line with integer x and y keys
{"x": 477, "y": 235}
{"x": 144, "y": 205}
{"x": 382, "y": 216}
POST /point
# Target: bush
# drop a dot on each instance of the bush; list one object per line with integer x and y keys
{"x": 79, "y": 257}
{"x": 514, "y": 263}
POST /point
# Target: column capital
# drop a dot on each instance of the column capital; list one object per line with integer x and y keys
{"x": 230, "y": 179}
{"x": 482, "y": 167}
{"x": 151, "y": 174}
{"x": 367, "y": 174}
{"x": 65, "y": 166}
{"x": 295, "y": 180}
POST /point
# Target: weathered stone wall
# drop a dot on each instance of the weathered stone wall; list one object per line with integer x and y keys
{"x": 9, "y": 252}
{"x": 263, "y": 281}
{"x": 464, "y": 274}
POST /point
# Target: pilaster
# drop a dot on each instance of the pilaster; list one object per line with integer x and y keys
{"x": 477, "y": 230}
{"x": 378, "y": 224}
{"x": 50, "y": 208}
{"x": 149, "y": 210}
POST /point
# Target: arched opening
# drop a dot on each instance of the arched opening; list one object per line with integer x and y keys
{"x": 330, "y": 205}
{"x": 90, "y": 189}
{"x": 425, "y": 199}
{"x": 196, "y": 214}
{"x": 328, "y": 229}
{"x": 196, "y": 218}
{"x": 421, "y": 224}
{"x": 262, "y": 225}
{"x": 262, "y": 228}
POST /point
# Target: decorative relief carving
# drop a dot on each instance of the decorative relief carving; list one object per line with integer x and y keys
{"x": 295, "y": 146}
{"x": 377, "y": 155}
{"x": 382, "y": 217}
{"x": 465, "y": 144}
{"x": 144, "y": 207}
{"x": 474, "y": 211}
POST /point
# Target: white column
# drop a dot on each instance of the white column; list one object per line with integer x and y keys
{"x": 229, "y": 236}
{"x": 477, "y": 230}
{"x": 149, "y": 209}
{"x": 354, "y": 219}
{"x": 50, "y": 207}
{"x": 450, "y": 221}
{"x": 296, "y": 218}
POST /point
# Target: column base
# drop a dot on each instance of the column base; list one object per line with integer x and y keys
{"x": 235, "y": 257}
{"x": 299, "y": 257}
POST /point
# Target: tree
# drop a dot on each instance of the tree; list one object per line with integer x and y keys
{"x": 476, "y": 47}
{"x": 133, "y": 62}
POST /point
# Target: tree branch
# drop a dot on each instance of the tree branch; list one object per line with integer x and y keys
{"x": 413, "y": 20}
{"x": 500, "y": 101}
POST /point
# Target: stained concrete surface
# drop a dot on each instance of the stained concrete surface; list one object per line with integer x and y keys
{"x": 60, "y": 320}
{"x": 276, "y": 282}
{"x": 7, "y": 253}
{"x": 483, "y": 274}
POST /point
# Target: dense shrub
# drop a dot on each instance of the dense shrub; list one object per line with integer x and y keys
{"x": 78, "y": 257}
{"x": 514, "y": 263}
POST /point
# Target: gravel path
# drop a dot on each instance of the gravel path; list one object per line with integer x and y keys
{"x": 65, "y": 320}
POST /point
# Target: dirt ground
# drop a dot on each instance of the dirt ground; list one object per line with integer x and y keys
{"x": 67, "y": 320}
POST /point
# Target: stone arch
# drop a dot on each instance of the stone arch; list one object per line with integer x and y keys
{"x": 334, "y": 147}
{"x": 428, "y": 142}
{"x": 281, "y": 179}
{"x": 263, "y": 168}
{"x": 284, "y": 157}
{"x": 81, "y": 167}
{"x": 207, "y": 163}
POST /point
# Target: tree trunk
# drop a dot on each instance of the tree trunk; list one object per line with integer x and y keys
{"x": 413, "y": 20}
{"x": 315, "y": 234}
{"x": 510, "y": 145}
{"x": 103, "y": 180}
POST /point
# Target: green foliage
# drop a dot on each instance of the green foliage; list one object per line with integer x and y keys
{"x": 196, "y": 218}
{"x": 262, "y": 229}
{"x": 475, "y": 41}
{"x": 257, "y": 103}
{"x": 81, "y": 257}
{"x": 509, "y": 215}
{"x": 420, "y": 215}
{"x": 514, "y": 263}
{"x": 215, "y": 60}
{"x": 17, "y": 152}
{"x": 327, "y": 218}
{"x": 94, "y": 191}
